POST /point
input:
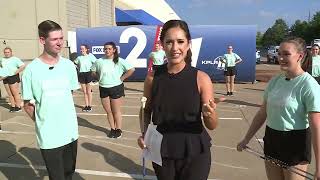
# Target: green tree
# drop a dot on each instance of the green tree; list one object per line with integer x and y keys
{"x": 259, "y": 39}
{"x": 315, "y": 26}
{"x": 275, "y": 34}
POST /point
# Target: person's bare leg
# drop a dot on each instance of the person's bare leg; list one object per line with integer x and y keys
{"x": 89, "y": 93}
{"x": 227, "y": 83}
{"x": 106, "y": 106}
{"x": 116, "y": 111}
{"x": 14, "y": 88}
{"x": 11, "y": 98}
{"x": 273, "y": 171}
{"x": 84, "y": 90}
{"x": 232, "y": 83}
{"x": 293, "y": 176}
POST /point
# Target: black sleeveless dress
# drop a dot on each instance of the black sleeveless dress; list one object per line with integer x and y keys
{"x": 176, "y": 109}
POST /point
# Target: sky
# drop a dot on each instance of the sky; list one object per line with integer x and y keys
{"x": 262, "y": 13}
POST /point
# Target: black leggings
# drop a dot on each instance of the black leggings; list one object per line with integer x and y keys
{"x": 195, "y": 168}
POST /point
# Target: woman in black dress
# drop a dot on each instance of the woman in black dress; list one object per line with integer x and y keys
{"x": 178, "y": 96}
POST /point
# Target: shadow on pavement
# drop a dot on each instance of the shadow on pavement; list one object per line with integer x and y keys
{"x": 254, "y": 89}
{"x": 10, "y": 172}
{"x": 4, "y": 104}
{"x": 238, "y": 102}
{"x": 131, "y": 89}
{"x": 117, "y": 160}
{"x": 29, "y": 158}
{"x": 85, "y": 123}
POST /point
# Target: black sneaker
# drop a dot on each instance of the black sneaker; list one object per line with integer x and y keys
{"x": 12, "y": 109}
{"x": 118, "y": 133}
{"x": 17, "y": 109}
{"x": 112, "y": 133}
{"x": 85, "y": 109}
{"x": 231, "y": 93}
{"x": 228, "y": 93}
{"x": 89, "y": 108}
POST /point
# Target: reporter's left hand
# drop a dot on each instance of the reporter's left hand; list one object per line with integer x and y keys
{"x": 209, "y": 108}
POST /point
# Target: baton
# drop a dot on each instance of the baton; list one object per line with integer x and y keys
{"x": 143, "y": 105}
{"x": 280, "y": 164}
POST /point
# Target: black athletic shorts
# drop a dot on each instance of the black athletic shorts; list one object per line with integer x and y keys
{"x": 114, "y": 92}
{"x": 85, "y": 77}
{"x": 230, "y": 71}
{"x": 12, "y": 79}
{"x": 291, "y": 147}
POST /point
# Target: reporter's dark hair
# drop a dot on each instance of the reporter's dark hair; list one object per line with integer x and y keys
{"x": 184, "y": 26}
{"x": 45, "y": 27}
{"x": 116, "y": 54}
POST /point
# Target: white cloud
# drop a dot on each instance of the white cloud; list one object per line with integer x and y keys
{"x": 264, "y": 13}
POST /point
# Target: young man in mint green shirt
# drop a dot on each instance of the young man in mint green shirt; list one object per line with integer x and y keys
{"x": 47, "y": 85}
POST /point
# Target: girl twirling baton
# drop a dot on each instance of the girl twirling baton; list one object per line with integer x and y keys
{"x": 291, "y": 104}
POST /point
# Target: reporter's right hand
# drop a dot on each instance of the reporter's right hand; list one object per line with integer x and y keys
{"x": 242, "y": 145}
{"x": 141, "y": 143}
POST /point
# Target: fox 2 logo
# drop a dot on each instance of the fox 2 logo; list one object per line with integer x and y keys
{"x": 97, "y": 50}
{"x": 100, "y": 49}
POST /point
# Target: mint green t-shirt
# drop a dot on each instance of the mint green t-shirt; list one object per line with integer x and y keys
{"x": 289, "y": 102}
{"x": 109, "y": 72}
{"x": 316, "y": 66}
{"x": 230, "y": 59}
{"x": 55, "y": 114}
{"x": 12, "y": 64}
{"x": 85, "y": 62}
{"x": 3, "y": 72}
{"x": 157, "y": 57}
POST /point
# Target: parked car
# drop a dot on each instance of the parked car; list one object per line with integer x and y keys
{"x": 272, "y": 56}
{"x": 258, "y": 57}
{"x": 316, "y": 41}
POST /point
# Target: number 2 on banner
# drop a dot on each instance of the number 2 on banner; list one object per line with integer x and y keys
{"x": 138, "y": 48}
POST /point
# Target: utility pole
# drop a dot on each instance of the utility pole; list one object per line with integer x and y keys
{"x": 309, "y": 16}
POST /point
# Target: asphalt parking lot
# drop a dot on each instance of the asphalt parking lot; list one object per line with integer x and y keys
{"x": 102, "y": 158}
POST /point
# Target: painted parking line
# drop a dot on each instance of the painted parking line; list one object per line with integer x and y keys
{"x": 82, "y": 136}
{"x": 132, "y": 97}
{"x": 116, "y": 144}
{"x": 135, "y": 115}
{"x": 88, "y": 172}
{"x": 22, "y": 124}
{"x": 233, "y": 106}
{"x": 82, "y": 171}
{"x": 225, "y": 147}
{"x": 229, "y": 166}
{"x": 97, "y": 114}
{"x": 133, "y": 93}
{"x": 230, "y": 118}
{"x": 97, "y": 138}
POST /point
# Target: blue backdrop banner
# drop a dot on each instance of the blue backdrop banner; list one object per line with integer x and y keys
{"x": 209, "y": 44}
